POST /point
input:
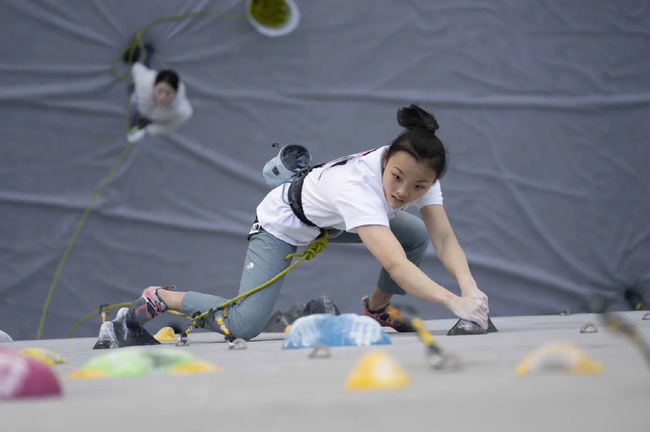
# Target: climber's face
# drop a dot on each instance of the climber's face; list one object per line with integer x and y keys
{"x": 163, "y": 93}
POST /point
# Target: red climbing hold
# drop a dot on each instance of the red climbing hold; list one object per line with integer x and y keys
{"x": 24, "y": 377}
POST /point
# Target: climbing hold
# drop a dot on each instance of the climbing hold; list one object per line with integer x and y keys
{"x": 237, "y": 343}
{"x": 22, "y": 377}
{"x": 646, "y": 316}
{"x": 87, "y": 374}
{"x": 334, "y": 330}
{"x": 377, "y": 370}
{"x": 589, "y": 328}
{"x": 196, "y": 367}
{"x": 116, "y": 334}
{"x": 273, "y": 18}
{"x": 321, "y": 351}
{"x": 464, "y": 327}
{"x": 558, "y": 356}
{"x": 280, "y": 320}
{"x": 48, "y": 357}
{"x": 165, "y": 334}
{"x": 4, "y": 337}
{"x": 321, "y": 305}
{"x": 136, "y": 361}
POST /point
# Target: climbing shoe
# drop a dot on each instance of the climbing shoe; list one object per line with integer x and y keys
{"x": 146, "y": 307}
{"x": 394, "y": 320}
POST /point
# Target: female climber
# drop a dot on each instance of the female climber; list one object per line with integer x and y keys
{"x": 159, "y": 101}
{"x": 358, "y": 198}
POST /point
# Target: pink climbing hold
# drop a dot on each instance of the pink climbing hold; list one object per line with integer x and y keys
{"x": 24, "y": 377}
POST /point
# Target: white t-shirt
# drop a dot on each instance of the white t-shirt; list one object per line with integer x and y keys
{"x": 342, "y": 197}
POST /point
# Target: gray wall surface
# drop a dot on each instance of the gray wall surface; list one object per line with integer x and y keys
{"x": 544, "y": 106}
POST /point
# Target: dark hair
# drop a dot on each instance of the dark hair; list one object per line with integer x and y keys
{"x": 419, "y": 139}
{"x": 168, "y": 76}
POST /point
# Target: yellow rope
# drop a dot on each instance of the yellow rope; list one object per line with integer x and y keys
{"x": 314, "y": 248}
{"x": 310, "y": 252}
{"x": 136, "y": 42}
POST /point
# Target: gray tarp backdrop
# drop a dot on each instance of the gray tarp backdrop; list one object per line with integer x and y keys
{"x": 544, "y": 106}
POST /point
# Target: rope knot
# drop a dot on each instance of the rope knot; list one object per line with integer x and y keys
{"x": 315, "y": 248}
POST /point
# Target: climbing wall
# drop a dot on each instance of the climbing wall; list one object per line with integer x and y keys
{"x": 544, "y": 107}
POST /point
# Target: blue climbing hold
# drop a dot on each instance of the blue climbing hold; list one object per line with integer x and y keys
{"x": 347, "y": 329}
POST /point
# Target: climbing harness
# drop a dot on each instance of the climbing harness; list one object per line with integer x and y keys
{"x": 136, "y": 43}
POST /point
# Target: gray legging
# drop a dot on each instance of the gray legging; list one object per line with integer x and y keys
{"x": 265, "y": 258}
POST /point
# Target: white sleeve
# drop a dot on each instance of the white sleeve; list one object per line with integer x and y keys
{"x": 184, "y": 112}
{"x": 141, "y": 74}
{"x": 358, "y": 204}
{"x": 433, "y": 196}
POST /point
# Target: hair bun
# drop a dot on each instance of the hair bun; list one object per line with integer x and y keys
{"x": 415, "y": 117}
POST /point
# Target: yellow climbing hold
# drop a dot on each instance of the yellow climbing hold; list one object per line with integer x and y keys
{"x": 558, "y": 356}
{"x": 46, "y": 356}
{"x": 377, "y": 370}
{"x": 196, "y": 367}
{"x": 87, "y": 374}
{"x": 165, "y": 334}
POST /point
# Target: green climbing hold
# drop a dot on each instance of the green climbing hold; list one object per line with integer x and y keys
{"x": 136, "y": 361}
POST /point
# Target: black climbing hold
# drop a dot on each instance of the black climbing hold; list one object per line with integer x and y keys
{"x": 322, "y": 305}
{"x": 295, "y": 311}
{"x": 116, "y": 334}
{"x": 464, "y": 327}
{"x": 280, "y": 319}
{"x": 491, "y": 327}
{"x": 277, "y": 323}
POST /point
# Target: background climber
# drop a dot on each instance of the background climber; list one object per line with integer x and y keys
{"x": 158, "y": 99}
